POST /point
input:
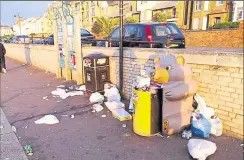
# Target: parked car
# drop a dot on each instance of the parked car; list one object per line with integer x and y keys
{"x": 139, "y": 34}
{"x": 86, "y": 37}
{"x": 49, "y": 40}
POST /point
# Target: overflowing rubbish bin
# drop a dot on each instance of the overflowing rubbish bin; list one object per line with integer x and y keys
{"x": 147, "y": 117}
{"x": 96, "y": 70}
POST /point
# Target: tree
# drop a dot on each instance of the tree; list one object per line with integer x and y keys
{"x": 159, "y": 17}
{"x": 107, "y": 24}
{"x": 96, "y": 28}
{"x": 131, "y": 20}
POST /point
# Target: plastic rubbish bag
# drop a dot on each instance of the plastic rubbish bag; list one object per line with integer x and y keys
{"x": 113, "y": 95}
{"x": 201, "y": 149}
{"x": 96, "y": 98}
{"x": 143, "y": 81}
{"x": 47, "y": 119}
{"x": 216, "y": 126}
{"x": 200, "y": 126}
{"x": 202, "y": 107}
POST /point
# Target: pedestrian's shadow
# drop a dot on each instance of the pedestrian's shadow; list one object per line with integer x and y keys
{"x": 27, "y": 54}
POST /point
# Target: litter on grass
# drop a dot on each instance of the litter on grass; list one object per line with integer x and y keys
{"x": 47, "y": 119}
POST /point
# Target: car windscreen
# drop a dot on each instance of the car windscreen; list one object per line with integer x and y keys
{"x": 84, "y": 32}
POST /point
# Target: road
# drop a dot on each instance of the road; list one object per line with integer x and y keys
{"x": 88, "y": 136}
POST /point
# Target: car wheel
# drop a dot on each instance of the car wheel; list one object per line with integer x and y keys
{"x": 182, "y": 46}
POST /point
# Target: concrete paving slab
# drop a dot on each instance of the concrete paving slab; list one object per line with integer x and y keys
{"x": 5, "y": 126}
{"x": 11, "y": 148}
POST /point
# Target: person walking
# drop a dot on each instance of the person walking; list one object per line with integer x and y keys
{"x": 2, "y": 58}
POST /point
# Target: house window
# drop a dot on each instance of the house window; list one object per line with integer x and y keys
{"x": 218, "y": 3}
{"x": 174, "y": 12}
{"x": 206, "y": 3}
{"x": 196, "y": 24}
{"x": 240, "y": 15}
{"x": 233, "y": 12}
{"x": 93, "y": 11}
{"x": 143, "y": 2}
{"x": 198, "y": 5}
{"x": 217, "y": 20}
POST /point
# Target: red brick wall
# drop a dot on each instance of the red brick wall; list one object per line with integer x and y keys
{"x": 215, "y": 38}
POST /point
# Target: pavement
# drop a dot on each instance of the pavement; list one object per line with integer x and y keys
{"x": 88, "y": 136}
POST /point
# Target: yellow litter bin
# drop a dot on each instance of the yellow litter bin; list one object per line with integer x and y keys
{"x": 147, "y": 117}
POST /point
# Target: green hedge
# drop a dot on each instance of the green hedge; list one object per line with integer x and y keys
{"x": 225, "y": 25}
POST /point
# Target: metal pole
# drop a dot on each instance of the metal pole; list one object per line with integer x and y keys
{"x": 121, "y": 47}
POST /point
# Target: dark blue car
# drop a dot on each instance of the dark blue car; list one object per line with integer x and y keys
{"x": 153, "y": 35}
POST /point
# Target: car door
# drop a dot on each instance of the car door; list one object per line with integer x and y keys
{"x": 115, "y": 37}
{"x": 130, "y": 35}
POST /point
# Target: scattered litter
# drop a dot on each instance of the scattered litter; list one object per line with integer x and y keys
{"x": 200, "y": 126}
{"x": 28, "y": 150}
{"x": 30, "y": 74}
{"x": 58, "y": 101}
{"x": 71, "y": 87}
{"x": 64, "y": 115}
{"x": 72, "y": 116}
{"x": 242, "y": 145}
{"x": 81, "y": 88}
{"x": 48, "y": 84}
{"x": 75, "y": 93}
{"x": 186, "y": 134}
{"x": 46, "y": 71}
{"x": 23, "y": 64}
{"x": 47, "y": 119}
{"x": 26, "y": 127}
{"x": 60, "y": 86}
{"x": 97, "y": 107}
{"x": 96, "y": 98}
{"x": 124, "y": 125}
{"x": 126, "y": 135}
{"x": 201, "y": 149}
{"x": 113, "y": 105}
{"x": 104, "y": 116}
{"x": 159, "y": 135}
{"x": 45, "y": 97}
{"x": 1, "y": 126}
{"x": 121, "y": 114}
{"x": 93, "y": 111}
{"x": 216, "y": 126}
{"x": 6, "y": 87}
{"x": 168, "y": 136}
{"x": 14, "y": 129}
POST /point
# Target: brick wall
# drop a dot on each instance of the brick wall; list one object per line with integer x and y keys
{"x": 219, "y": 76}
{"x": 215, "y": 38}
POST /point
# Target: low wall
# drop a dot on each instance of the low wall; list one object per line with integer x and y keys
{"x": 40, "y": 56}
{"x": 219, "y": 74}
{"x": 215, "y": 38}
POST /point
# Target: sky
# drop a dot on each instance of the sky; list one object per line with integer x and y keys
{"x": 26, "y": 9}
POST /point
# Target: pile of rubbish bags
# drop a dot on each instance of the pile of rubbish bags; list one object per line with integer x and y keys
{"x": 112, "y": 100}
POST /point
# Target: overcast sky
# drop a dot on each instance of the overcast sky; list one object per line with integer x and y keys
{"x": 26, "y": 9}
